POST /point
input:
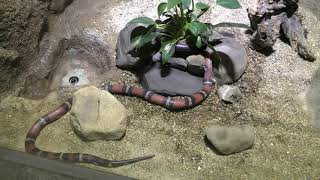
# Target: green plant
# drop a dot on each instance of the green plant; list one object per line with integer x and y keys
{"x": 181, "y": 21}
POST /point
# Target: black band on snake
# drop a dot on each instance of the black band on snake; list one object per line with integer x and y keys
{"x": 149, "y": 96}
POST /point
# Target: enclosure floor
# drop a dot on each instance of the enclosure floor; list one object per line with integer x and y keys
{"x": 286, "y": 145}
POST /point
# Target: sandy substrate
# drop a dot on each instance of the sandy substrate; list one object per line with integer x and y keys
{"x": 286, "y": 146}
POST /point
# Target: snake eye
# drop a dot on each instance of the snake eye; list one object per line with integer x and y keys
{"x": 73, "y": 80}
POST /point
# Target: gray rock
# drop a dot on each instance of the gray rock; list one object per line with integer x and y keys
{"x": 229, "y": 140}
{"x": 175, "y": 62}
{"x": 196, "y": 65}
{"x": 178, "y": 63}
{"x": 156, "y": 57}
{"x": 97, "y": 115}
{"x": 263, "y": 9}
{"x": 270, "y": 17}
{"x": 234, "y": 61}
{"x": 293, "y": 30}
{"x": 229, "y": 93}
{"x": 213, "y": 35}
{"x": 170, "y": 81}
{"x": 268, "y": 32}
{"x": 127, "y": 56}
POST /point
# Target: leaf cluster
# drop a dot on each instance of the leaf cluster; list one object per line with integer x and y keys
{"x": 178, "y": 20}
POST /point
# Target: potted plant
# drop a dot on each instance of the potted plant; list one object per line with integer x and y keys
{"x": 178, "y": 21}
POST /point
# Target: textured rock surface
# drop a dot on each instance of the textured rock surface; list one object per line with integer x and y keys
{"x": 268, "y": 32}
{"x": 178, "y": 63}
{"x": 234, "y": 61}
{"x": 196, "y": 65}
{"x": 57, "y": 6}
{"x": 22, "y": 26}
{"x": 97, "y": 114}
{"x": 229, "y": 93}
{"x": 85, "y": 55}
{"x": 229, "y": 140}
{"x": 9, "y": 67}
{"x": 270, "y": 17}
{"x": 175, "y": 62}
{"x": 128, "y": 57}
{"x": 8, "y": 56}
{"x": 233, "y": 65}
{"x": 156, "y": 57}
{"x": 293, "y": 30}
{"x": 170, "y": 81}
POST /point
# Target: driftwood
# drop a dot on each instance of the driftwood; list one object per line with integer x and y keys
{"x": 275, "y": 18}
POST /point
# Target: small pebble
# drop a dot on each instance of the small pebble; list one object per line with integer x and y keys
{"x": 230, "y": 93}
{"x": 195, "y": 65}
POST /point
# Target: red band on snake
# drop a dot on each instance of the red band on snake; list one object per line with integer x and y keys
{"x": 149, "y": 96}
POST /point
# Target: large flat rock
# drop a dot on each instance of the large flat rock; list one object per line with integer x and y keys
{"x": 171, "y": 81}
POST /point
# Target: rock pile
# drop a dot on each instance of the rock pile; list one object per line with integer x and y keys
{"x": 273, "y": 19}
{"x": 184, "y": 72}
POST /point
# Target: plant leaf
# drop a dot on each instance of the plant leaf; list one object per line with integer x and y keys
{"x": 162, "y": 8}
{"x": 167, "y": 50}
{"x": 199, "y": 42}
{"x": 148, "y": 37}
{"x": 144, "y": 21}
{"x": 136, "y": 41}
{"x": 231, "y": 4}
{"x": 202, "y": 6}
{"x": 197, "y": 28}
{"x": 193, "y": 17}
{"x": 143, "y": 36}
{"x": 186, "y": 4}
{"x": 172, "y": 3}
{"x": 137, "y": 34}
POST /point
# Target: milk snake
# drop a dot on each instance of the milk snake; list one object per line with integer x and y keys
{"x": 149, "y": 96}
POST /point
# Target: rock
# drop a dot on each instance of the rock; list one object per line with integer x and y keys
{"x": 7, "y": 57}
{"x": 213, "y": 35}
{"x": 128, "y": 57}
{"x": 58, "y": 6}
{"x": 234, "y": 61}
{"x": 156, "y": 57}
{"x": 268, "y": 32}
{"x": 97, "y": 115}
{"x": 264, "y": 9}
{"x": 294, "y": 31}
{"x": 9, "y": 68}
{"x": 229, "y": 140}
{"x": 229, "y": 93}
{"x": 175, "y": 62}
{"x": 22, "y": 24}
{"x": 170, "y": 81}
{"x": 269, "y": 18}
{"x": 178, "y": 63}
{"x": 84, "y": 55}
{"x": 196, "y": 65}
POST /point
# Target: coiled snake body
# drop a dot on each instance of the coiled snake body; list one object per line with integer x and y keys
{"x": 149, "y": 96}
